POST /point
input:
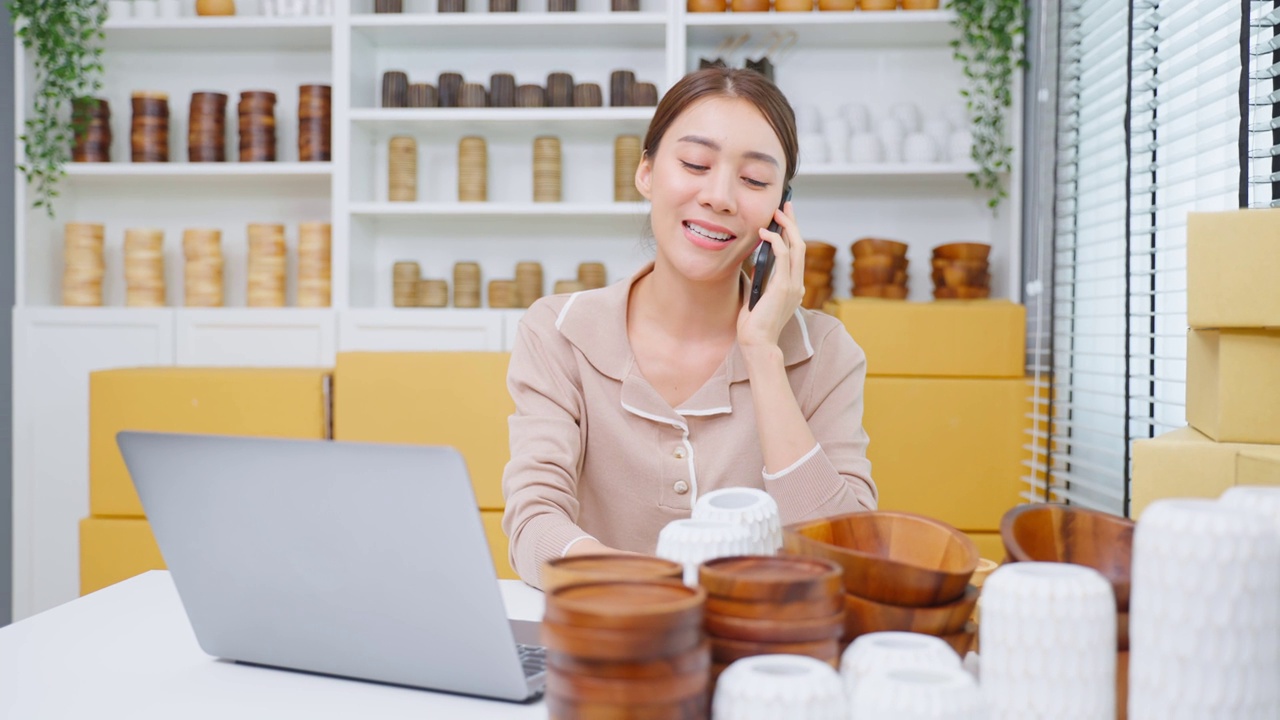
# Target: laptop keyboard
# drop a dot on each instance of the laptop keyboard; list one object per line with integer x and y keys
{"x": 533, "y": 658}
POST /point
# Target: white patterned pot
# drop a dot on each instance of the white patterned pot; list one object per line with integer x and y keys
{"x": 754, "y": 509}
{"x": 880, "y": 651}
{"x": 692, "y": 542}
{"x": 918, "y": 694}
{"x": 778, "y": 687}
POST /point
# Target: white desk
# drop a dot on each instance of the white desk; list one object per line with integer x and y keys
{"x": 128, "y": 652}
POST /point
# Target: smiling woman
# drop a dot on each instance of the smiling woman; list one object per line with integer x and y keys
{"x": 633, "y": 399}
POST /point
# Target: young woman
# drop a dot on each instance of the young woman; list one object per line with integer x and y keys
{"x": 635, "y": 399}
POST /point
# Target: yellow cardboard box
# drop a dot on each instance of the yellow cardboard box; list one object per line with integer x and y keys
{"x": 1233, "y": 262}
{"x": 948, "y": 448}
{"x": 1186, "y": 463}
{"x": 969, "y": 338}
{"x": 1233, "y": 384}
{"x": 458, "y": 399}
{"x": 990, "y": 546}
{"x": 275, "y": 402}
{"x": 492, "y": 520}
{"x": 115, "y": 549}
{"x": 1257, "y": 468}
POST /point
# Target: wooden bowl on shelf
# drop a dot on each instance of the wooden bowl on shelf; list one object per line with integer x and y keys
{"x": 862, "y": 616}
{"x": 961, "y": 293}
{"x": 819, "y": 249}
{"x": 1051, "y": 532}
{"x": 578, "y": 569}
{"x": 894, "y": 558}
{"x": 878, "y": 276}
{"x": 867, "y": 247}
{"x": 881, "y": 261}
{"x": 888, "y": 292}
{"x": 963, "y": 251}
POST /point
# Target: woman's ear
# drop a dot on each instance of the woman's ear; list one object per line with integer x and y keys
{"x": 644, "y": 176}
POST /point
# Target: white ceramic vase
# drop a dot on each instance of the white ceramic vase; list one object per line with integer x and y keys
{"x": 773, "y": 687}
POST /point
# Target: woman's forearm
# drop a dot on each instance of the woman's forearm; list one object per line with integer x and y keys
{"x": 784, "y": 433}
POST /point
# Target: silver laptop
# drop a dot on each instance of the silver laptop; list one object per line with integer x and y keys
{"x": 357, "y": 560}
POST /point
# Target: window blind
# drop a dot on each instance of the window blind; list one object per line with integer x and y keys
{"x": 1261, "y": 99}
{"x": 1148, "y": 129}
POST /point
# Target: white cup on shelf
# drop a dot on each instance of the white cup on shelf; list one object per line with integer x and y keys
{"x": 146, "y": 9}
{"x": 808, "y": 120}
{"x": 858, "y": 115}
{"x": 939, "y": 128}
{"x": 119, "y": 10}
{"x": 908, "y": 114}
{"x": 919, "y": 148}
{"x": 891, "y": 132}
{"x": 865, "y": 148}
{"x": 814, "y": 149}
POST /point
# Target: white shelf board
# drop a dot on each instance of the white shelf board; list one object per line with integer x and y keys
{"x": 562, "y": 31}
{"x": 219, "y": 34}
{"x": 844, "y": 30}
{"x": 917, "y": 171}
{"x": 121, "y": 170}
{"x": 474, "y": 209}
{"x": 523, "y": 120}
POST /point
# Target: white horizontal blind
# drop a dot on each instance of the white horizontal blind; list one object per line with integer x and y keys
{"x": 1263, "y": 98}
{"x": 1149, "y": 129}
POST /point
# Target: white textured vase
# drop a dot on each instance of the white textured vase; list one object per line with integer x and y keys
{"x": 918, "y": 694}
{"x": 1204, "y": 627}
{"x": 1258, "y": 499}
{"x": 882, "y": 651}
{"x": 751, "y": 508}
{"x": 774, "y": 687}
{"x": 692, "y": 542}
{"x": 1048, "y": 639}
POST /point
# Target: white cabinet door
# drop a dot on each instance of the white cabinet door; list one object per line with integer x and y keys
{"x": 420, "y": 330}
{"x": 255, "y": 337}
{"x": 55, "y": 350}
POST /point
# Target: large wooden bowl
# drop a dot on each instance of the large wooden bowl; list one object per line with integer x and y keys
{"x": 862, "y": 616}
{"x": 1063, "y": 533}
{"x": 894, "y": 558}
{"x": 579, "y": 569}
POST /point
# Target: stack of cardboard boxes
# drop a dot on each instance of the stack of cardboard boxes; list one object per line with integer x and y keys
{"x": 1233, "y": 365}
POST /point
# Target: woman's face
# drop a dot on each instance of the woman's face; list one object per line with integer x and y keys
{"x": 714, "y": 182}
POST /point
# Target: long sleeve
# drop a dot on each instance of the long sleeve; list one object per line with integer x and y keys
{"x": 540, "y": 481}
{"x": 835, "y": 477}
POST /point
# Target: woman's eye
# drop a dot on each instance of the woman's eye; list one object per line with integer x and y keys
{"x": 755, "y": 183}
{"x": 691, "y": 166}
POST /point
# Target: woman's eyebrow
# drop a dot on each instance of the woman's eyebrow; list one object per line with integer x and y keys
{"x": 708, "y": 142}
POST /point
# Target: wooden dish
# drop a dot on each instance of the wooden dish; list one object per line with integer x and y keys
{"x": 961, "y": 293}
{"x": 694, "y": 660}
{"x": 819, "y": 249}
{"x": 617, "y": 645}
{"x": 1060, "y": 533}
{"x": 641, "y": 605}
{"x": 819, "y": 264}
{"x": 566, "y": 709}
{"x": 888, "y": 292}
{"x": 777, "y": 578}
{"x": 867, "y": 247}
{"x": 895, "y": 558}
{"x": 878, "y": 276}
{"x": 816, "y": 277}
{"x": 1122, "y": 631}
{"x": 881, "y": 261}
{"x": 563, "y": 571}
{"x": 794, "y": 610}
{"x": 985, "y": 568}
{"x": 962, "y": 250}
{"x": 862, "y": 616}
{"x": 726, "y": 651}
{"x": 661, "y": 690}
{"x": 775, "y": 631}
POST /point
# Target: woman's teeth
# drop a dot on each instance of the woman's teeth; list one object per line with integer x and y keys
{"x": 718, "y": 237}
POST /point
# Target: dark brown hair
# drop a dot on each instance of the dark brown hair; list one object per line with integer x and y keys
{"x": 732, "y": 83}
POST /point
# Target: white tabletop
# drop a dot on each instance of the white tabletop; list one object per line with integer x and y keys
{"x": 127, "y": 651}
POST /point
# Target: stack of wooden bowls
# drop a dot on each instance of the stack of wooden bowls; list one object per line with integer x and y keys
{"x": 529, "y": 283}
{"x": 559, "y": 89}
{"x": 961, "y": 271}
{"x": 546, "y": 169}
{"x": 819, "y": 261}
{"x": 404, "y": 283}
{"x": 531, "y": 96}
{"x": 395, "y": 89}
{"x": 591, "y": 275}
{"x": 314, "y": 123}
{"x": 626, "y": 648}
{"x": 879, "y": 268}
{"x": 144, "y": 267}
{"x": 83, "y": 264}
{"x": 207, "y": 127}
{"x": 502, "y": 90}
{"x": 621, "y": 83}
{"x": 502, "y": 294}
{"x": 257, "y": 113}
{"x": 93, "y": 130}
{"x": 267, "y": 265}
{"x": 587, "y": 95}
{"x": 314, "y": 264}
{"x": 423, "y": 95}
{"x": 466, "y": 285}
{"x": 582, "y": 569}
{"x": 564, "y": 287}
{"x": 626, "y": 158}
{"x": 767, "y": 605}
{"x": 473, "y": 169}
{"x": 902, "y": 572}
{"x": 402, "y": 169}
{"x": 448, "y": 86}
{"x": 202, "y": 272}
{"x": 433, "y": 293}
{"x": 149, "y": 133}
{"x": 472, "y": 95}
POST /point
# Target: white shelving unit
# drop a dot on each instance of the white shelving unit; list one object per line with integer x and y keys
{"x": 876, "y": 59}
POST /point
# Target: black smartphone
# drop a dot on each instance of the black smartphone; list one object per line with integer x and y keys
{"x": 764, "y": 259}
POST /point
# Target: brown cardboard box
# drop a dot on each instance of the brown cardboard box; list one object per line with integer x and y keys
{"x": 1233, "y": 384}
{"x": 1186, "y": 463}
{"x": 115, "y": 549}
{"x": 272, "y": 402}
{"x": 1257, "y": 468}
{"x": 1233, "y": 267}
{"x": 970, "y": 338}
{"x": 458, "y": 399}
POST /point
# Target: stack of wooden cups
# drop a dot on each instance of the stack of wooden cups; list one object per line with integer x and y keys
{"x": 423, "y": 95}
{"x": 472, "y": 95}
{"x": 404, "y": 283}
{"x": 202, "y": 276}
{"x": 961, "y": 271}
{"x": 592, "y": 275}
{"x": 587, "y": 95}
{"x": 466, "y": 285}
{"x": 546, "y": 169}
{"x": 564, "y": 287}
{"x": 502, "y": 90}
{"x": 207, "y": 127}
{"x": 402, "y": 169}
{"x": 395, "y": 89}
{"x": 767, "y": 605}
{"x": 257, "y": 112}
{"x": 149, "y": 134}
{"x": 314, "y": 121}
{"x": 530, "y": 96}
{"x": 879, "y": 268}
{"x": 267, "y": 265}
{"x": 819, "y": 261}
{"x": 626, "y": 158}
{"x": 626, "y": 649}
{"x": 528, "y": 283}
{"x": 93, "y": 130}
{"x": 473, "y": 170}
{"x": 620, "y": 85}
{"x": 144, "y": 267}
{"x": 502, "y": 294}
{"x": 314, "y": 264}
{"x": 433, "y": 292}
{"x": 449, "y": 84}
{"x": 83, "y": 264}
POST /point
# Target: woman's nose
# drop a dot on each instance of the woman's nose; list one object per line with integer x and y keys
{"x": 717, "y": 193}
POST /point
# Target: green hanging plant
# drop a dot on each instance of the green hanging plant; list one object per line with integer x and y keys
{"x": 990, "y": 49}
{"x": 65, "y": 41}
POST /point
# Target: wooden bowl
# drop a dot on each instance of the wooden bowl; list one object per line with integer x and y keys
{"x": 888, "y": 292}
{"x": 894, "y": 558}
{"x": 862, "y": 616}
{"x": 961, "y": 293}
{"x": 985, "y": 568}
{"x": 878, "y": 276}
{"x": 816, "y": 278}
{"x": 694, "y": 660}
{"x": 661, "y": 690}
{"x": 560, "y": 572}
{"x": 875, "y": 246}
{"x": 763, "y": 630}
{"x": 638, "y": 605}
{"x": 587, "y": 643}
{"x": 727, "y": 651}
{"x": 1122, "y": 631}
{"x": 963, "y": 641}
{"x": 819, "y": 250}
{"x": 792, "y": 610}
{"x": 1062, "y": 533}
{"x": 819, "y": 264}
{"x": 562, "y": 708}
{"x": 881, "y": 261}
{"x": 776, "y": 578}
{"x": 963, "y": 251}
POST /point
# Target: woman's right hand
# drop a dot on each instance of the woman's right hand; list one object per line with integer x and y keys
{"x": 591, "y": 546}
